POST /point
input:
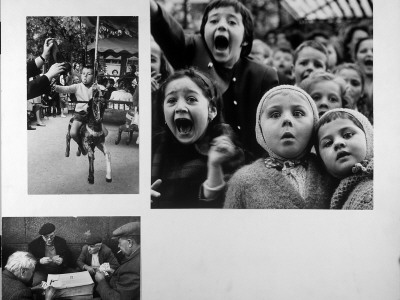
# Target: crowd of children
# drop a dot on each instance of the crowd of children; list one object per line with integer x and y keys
{"x": 243, "y": 124}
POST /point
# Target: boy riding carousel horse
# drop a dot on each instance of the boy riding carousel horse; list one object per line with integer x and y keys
{"x": 86, "y": 127}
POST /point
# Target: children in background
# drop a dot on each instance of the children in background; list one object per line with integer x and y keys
{"x": 352, "y": 36}
{"x": 221, "y": 50}
{"x": 309, "y": 56}
{"x": 122, "y": 94}
{"x": 83, "y": 92}
{"x": 363, "y": 53}
{"x": 291, "y": 176}
{"x": 345, "y": 144}
{"x": 352, "y": 75}
{"x": 282, "y": 61}
{"x": 196, "y": 153}
{"x": 110, "y": 82}
{"x": 261, "y": 52}
{"x": 327, "y": 91}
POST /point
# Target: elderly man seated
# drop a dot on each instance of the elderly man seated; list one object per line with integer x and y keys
{"x": 52, "y": 253}
{"x": 97, "y": 256}
{"x": 18, "y": 274}
{"x": 124, "y": 283}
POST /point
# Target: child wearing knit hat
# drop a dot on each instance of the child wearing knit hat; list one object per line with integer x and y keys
{"x": 291, "y": 176}
{"x": 345, "y": 144}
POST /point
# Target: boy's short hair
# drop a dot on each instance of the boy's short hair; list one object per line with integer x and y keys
{"x": 321, "y": 76}
{"x": 90, "y": 67}
{"x": 246, "y": 17}
{"x": 316, "y": 33}
{"x": 351, "y": 66}
{"x": 312, "y": 44}
{"x": 284, "y": 50}
{"x": 111, "y": 81}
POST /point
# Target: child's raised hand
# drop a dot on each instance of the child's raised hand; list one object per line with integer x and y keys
{"x": 156, "y": 184}
{"x": 221, "y": 150}
{"x": 155, "y": 78}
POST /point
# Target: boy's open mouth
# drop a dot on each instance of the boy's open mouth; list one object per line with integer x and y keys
{"x": 183, "y": 125}
{"x": 342, "y": 154}
{"x": 221, "y": 43}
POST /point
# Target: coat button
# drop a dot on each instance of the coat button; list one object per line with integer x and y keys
{"x": 210, "y": 65}
{"x": 238, "y": 127}
{"x": 234, "y": 79}
{"x": 234, "y": 102}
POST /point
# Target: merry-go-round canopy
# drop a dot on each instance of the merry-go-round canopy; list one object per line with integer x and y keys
{"x": 117, "y": 46}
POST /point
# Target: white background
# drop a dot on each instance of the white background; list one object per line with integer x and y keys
{"x": 225, "y": 254}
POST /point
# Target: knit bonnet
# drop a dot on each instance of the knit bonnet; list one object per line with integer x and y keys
{"x": 290, "y": 92}
{"x": 367, "y": 128}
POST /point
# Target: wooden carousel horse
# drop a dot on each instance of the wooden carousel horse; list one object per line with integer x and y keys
{"x": 92, "y": 136}
{"x": 131, "y": 125}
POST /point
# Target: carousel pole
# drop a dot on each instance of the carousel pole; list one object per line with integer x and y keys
{"x": 95, "y": 65}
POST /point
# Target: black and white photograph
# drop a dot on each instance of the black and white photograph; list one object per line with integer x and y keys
{"x": 251, "y": 100}
{"x": 266, "y": 168}
{"x": 71, "y": 258}
{"x": 83, "y": 105}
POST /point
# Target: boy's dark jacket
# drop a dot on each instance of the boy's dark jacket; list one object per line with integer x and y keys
{"x": 37, "y": 248}
{"x": 248, "y": 83}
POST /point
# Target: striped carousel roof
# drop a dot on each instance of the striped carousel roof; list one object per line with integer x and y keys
{"x": 328, "y": 9}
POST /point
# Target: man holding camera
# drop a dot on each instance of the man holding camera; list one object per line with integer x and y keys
{"x": 41, "y": 84}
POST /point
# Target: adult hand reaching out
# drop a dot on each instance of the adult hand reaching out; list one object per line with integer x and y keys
{"x": 50, "y": 293}
{"x": 55, "y": 70}
{"x": 90, "y": 269}
{"x": 99, "y": 276}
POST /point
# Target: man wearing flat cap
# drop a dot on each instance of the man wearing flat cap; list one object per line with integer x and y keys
{"x": 94, "y": 254}
{"x": 125, "y": 281}
{"x": 51, "y": 252}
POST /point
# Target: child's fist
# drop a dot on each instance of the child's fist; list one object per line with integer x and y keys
{"x": 221, "y": 150}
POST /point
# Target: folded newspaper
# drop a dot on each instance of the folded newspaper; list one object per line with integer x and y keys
{"x": 71, "y": 284}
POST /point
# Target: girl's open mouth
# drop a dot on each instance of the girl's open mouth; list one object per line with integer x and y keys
{"x": 183, "y": 125}
{"x": 342, "y": 154}
{"x": 221, "y": 43}
{"x": 369, "y": 62}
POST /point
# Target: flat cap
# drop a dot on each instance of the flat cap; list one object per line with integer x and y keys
{"x": 132, "y": 228}
{"x": 94, "y": 239}
{"x": 47, "y": 228}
